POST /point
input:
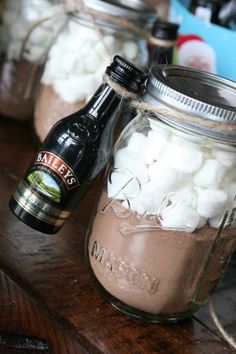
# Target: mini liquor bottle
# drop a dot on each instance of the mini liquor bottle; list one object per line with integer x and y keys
{"x": 74, "y": 153}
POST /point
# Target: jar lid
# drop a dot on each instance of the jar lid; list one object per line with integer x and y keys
{"x": 204, "y": 103}
{"x": 133, "y": 10}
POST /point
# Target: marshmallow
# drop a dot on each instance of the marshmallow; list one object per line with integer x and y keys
{"x": 210, "y": 175}
{"x": 156, "y": 142}
{"x": 130, "y": 50}
{"x": 179, "y": 217}
{"x": 159, "y": 127}
{"x": 128, "y": 160}
{"x": 34, "y": 53}
{"x": 137, "y": 144}
{"x": 123, "y": 185}
{"x": 149, "y": 201}
{"x": 163, "y": 176}
{"x": 211, "y": 202}
{"x": 71, "y": 89}
{"x": 226, "y": 158}
{"x": 18, "y": 31}
{"x": 184, "y": 158}
{"x": 185, "y": 195}
{"x": 39, "y": 36}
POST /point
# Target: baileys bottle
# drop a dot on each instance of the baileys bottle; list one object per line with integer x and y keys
{"x": 74, "y": 153}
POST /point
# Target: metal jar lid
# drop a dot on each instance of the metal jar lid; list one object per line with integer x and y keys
{"x": 134, "y": 10}
{"x": 194, "y": 100}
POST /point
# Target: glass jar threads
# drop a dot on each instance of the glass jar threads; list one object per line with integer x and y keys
{"x": 165, "y": 225}
{"x": 81, "y": 52}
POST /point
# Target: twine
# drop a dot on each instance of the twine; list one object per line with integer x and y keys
{"x": 121, "y": 91}
{"x": 180, "y": 117}
{"x": 228, "y": 338}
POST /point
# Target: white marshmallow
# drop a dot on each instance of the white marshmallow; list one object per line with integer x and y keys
{"x": 130, "y": 50}
{"x": 137, "y": 144}
{"x": 123, "y": 185}
{"x": 149, "y": 200}
{"x": 156, "y": 142}
{"x": 202, "y": 222}
{"x": 179, "y": 217}
{"x": 210, "y": 175}
{"x": 112, "y": 43}
{"x": 9, "y": 18}
{"x": 226, "y": 158}
{"x": 39, "y": 36}
{"x": 212, "y": 202}
{"x": 18, "y": 31}
{"x": 184, "y": 157}
{"x": 34, "y": 53}
{"x": 74, "y": 88}
{"x": 128, "y": 161}
{"x": 30, "y": 13}
{"x": 134, "y": 205}
{"x": 163, "y": 176}
{"x": 160, "y": 127}
{"x": 185, "y": 195}
{"x": 68, "y": 62}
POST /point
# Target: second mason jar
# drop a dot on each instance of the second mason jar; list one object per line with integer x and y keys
{"x": 81, "y": 52}
{"x": 164, "y": 227}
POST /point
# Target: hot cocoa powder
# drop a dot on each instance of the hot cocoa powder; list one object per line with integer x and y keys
{"x": 50, "y": 108}
{"x": 18, "y": 87}
{"x": 156, "y": 271}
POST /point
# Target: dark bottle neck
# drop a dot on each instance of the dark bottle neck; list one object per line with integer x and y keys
{"x": 104, "y": 102}
{"x": 161, "y": 55}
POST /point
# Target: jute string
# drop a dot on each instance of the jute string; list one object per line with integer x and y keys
{"x": 121, "y": 91}
{"x": 177, "y": 116}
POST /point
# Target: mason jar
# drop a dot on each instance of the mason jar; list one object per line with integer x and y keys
{"x": 26, "y": 34}
{"x": 164, "y": 227}
{"x": 81, "y": 52}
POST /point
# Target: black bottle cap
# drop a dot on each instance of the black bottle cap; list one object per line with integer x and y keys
{"x": 165, "y": 30}
{"x": 126, "y": 74}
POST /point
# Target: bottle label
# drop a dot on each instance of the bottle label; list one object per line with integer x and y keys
{"x": 55, "y": 163}
{"x": 46, "y": 187}
{"x": 36, "y": 205}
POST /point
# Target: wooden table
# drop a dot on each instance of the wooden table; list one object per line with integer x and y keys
{"x": 47, "y": 301}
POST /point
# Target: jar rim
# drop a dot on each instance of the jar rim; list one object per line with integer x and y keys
{"x": 209, "y": 98}
{"x": 134, "y": 10}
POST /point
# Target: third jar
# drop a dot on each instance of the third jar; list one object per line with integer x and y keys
{"x": 81, "y": 52}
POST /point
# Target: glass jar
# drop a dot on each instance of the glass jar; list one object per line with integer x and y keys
{"x": 80, "y": 54}
{"x": 164, "y": 227}
{"x": 26, "y": 36}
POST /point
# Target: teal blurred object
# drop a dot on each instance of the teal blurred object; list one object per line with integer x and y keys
{"x": 204, "y": 45}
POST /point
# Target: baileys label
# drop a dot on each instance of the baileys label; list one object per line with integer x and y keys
{"x": 55, "y": 163}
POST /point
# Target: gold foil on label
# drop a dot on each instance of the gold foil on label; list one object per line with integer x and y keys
{"x": 37, "y": 207}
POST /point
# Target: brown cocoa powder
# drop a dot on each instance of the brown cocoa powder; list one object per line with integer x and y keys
{"x": 155, "y": 271}
{"x": 19, "y": 82}
{"x": 50, "y": 108}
